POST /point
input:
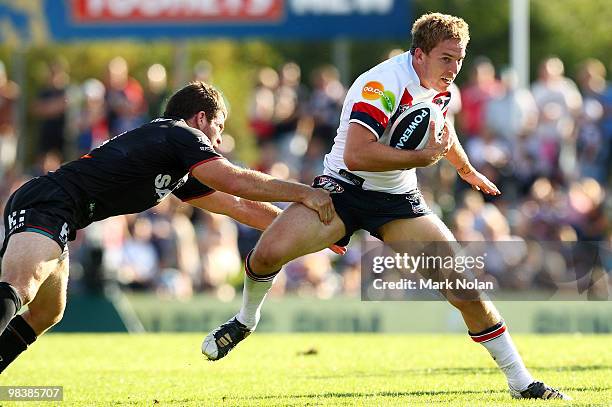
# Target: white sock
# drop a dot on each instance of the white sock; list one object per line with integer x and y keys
{"x": 255, "y": 290}
{"x": 498, "y": 342}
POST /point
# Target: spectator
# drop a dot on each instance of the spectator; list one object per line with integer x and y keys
{"x": 139, "y": 260}
{"x": 50, "y": 107}
{"x": 47, "y": 162}
{"x": 261, "y": 110}
{"x": 92, "y": 124}
{"x": 157, "y": 90}
{"x": 559, "y": 104}
{"x": 509, "y": 120}
{"x": 512, "y": 114}
{"x": 202, "y": 71}
{"x": 325, "y": 103}
{"x": 9, "y": 93}
{"x": 594, "y": 127}
{"x": 288, "y": 98}
{"x": 293, "y": 129}
{"x": 454, "y": 108}
{"x": 218, "y": 249}
{"x": 585, "y": 210}
{"x": 481, "y": 88}
{"x": 124, "y": 98}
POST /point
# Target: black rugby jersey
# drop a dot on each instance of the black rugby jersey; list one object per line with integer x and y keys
{"x": 135, "y": 170}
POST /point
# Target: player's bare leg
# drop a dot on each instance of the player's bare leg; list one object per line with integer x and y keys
{"x": 484, "y": 322}
{"x": 29, "y": 260}
{"x": 47, "y": 308}
{"x": 44, "y": 311}
{"x": 296, "y": 232}
{"x": 478, "y": 315}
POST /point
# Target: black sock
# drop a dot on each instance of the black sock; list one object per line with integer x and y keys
{"x": 16, "y": 338}
{"x": 10, "y": 303}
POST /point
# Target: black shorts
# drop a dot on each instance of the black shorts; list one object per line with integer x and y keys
{"x": 369, "y": 210}
{"x": 40, "y": 206}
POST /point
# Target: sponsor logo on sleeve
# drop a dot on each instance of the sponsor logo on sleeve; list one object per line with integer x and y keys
{"x": 372, "y": 90}
{"x": 375, "y": 90}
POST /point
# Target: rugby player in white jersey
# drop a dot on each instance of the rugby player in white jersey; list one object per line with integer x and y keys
{"x": 373, "y": 186}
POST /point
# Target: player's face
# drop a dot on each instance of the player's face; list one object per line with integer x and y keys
{"x": 213, "y": 128}
{"x": 441, "y": 65}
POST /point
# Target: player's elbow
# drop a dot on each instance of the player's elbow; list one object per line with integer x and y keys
{"x": 239, "y": 186}
{"x": 236, "y": 209}
{"x": 353, "y": 161}
{"x": 229, "y": 185}
{"x": 234, "y": 187}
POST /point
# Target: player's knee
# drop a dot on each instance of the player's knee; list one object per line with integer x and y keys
{"x": 266, "y": 257}
{"x": 25, "y": 288}
{"x": 56, "y": 317}
{"x": 27, "y": 292}
{"x": 28, "y": 274}
{"x": 45, "y": 317}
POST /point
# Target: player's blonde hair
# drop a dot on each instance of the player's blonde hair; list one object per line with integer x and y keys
{"x": 432, "y": 28}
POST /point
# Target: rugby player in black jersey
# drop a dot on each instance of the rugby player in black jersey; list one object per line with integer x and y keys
{"x": 130, "y": 173}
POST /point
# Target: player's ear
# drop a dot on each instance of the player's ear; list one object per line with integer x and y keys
{"x": 201, "y": 118}
{"x": 418, "y": 54}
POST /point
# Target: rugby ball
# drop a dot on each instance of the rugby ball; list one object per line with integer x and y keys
{"x": 410, "y": 131}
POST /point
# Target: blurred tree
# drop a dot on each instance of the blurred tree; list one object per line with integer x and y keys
{"x": 572, "y": 30}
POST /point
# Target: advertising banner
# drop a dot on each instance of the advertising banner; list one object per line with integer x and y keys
{"x": 76, "y": 20}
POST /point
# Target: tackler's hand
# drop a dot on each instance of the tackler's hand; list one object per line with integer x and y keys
{"x": 319, "y": 201}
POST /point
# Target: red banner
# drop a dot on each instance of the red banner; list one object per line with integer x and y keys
{"x": 92, "y": 11}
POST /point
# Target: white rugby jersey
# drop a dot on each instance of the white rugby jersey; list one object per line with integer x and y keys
{"x": 375, "y": 100}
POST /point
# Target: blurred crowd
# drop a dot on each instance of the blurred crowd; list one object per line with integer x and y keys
{"x": 547, "y": 147}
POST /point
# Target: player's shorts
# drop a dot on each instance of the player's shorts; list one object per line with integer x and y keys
{"x": 40, "y": 206}
{"x": 369, "y": 210}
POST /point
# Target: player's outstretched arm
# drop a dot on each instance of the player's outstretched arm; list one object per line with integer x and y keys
{"x": 459, "y": 159}
{"x": 258, "y": 215}
{"x": 256, "y": 186}
{"x": 363, "y": 152}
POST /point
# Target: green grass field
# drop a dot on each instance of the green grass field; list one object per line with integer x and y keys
{"x": 279, "y": 370}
